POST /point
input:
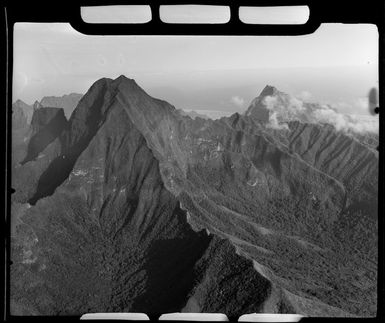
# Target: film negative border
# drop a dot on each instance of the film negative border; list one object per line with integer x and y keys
{"x": 320, "y": 12}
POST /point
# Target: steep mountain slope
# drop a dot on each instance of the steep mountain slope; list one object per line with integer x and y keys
{"x": 21, "y": 118}
{"x": 273, "y": 106}
{"x": 67, "y": 102}
{"x": 112, "y": 237}
{"x": 349, "y": 157}
{"x": 22, "y": 114}
{"x": 40, "y": 146}
{"x": 46, "y": 125}
{"x": 142, "y": 209}
{"x": 37, "y": 105}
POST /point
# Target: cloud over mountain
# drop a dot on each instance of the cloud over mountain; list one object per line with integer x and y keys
{"x": 277, "y": 108}
{"x": 238, "y": 101}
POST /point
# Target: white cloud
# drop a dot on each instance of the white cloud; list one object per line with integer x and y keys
{"x": 238, "y": 101}
{"x": 270, "y": 102}
{"x": 346, "y": 123}
{"x": 286, "y": 108}
{"x": 305, "y": 96}
{"x": 274, "y": 124}
{"x": 359, "y": 105}
{"x": 285, "y": 105}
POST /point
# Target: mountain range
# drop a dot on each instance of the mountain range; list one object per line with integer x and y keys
{"x": 22, "y": 112}
{"x": 131, "y": 205}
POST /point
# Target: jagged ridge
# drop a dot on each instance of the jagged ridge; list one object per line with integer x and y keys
{"x": 47, "y": 124}
{"x": 232, "y": 182}
{"x": 133, "y": 246}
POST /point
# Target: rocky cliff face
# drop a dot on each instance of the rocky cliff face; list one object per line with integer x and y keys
{"x": 37, "y": 105}
{"x": 21, "y": 114}
{"x": 139, "y": 208}
{"x": 46, "y": 125}
{"x": 67, "y": 102}
{"x": 21, "y": 119}
{"x": 34, "y": 151}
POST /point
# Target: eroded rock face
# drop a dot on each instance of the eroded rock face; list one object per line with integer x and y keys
{"x": 140, "y": 208}
{"x": 21, "y": 119}
{"x": 21, "y": 114}
{"x": 67, "y": 102}
{"x": 112, "y": 238}
{"x": 33, "y": 149}
{"x": 47, "y": 124}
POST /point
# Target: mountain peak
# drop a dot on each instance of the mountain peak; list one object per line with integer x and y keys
{"x": 268, "y": 90}
{"x": 37, "y": 105}
{"x": 67, "y": 101}
{"x": 123, "y": 78}
{"x": 126, "y": 84}
{"x": 258, "y": 108}
{"x": 21, "y": 104}
{"x": 18, "y": 101}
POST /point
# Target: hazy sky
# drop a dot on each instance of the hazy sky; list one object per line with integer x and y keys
{"x": 337, "y": 64}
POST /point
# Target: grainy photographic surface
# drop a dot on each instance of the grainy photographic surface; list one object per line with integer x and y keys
{"x": 196, "y": 174}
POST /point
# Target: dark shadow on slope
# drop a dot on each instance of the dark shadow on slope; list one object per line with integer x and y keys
{"x": 54, "y": 175}
{"x": 170, "y": 272}
{"x": 82, "y": 128}
{"x": 46, "y": 133}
